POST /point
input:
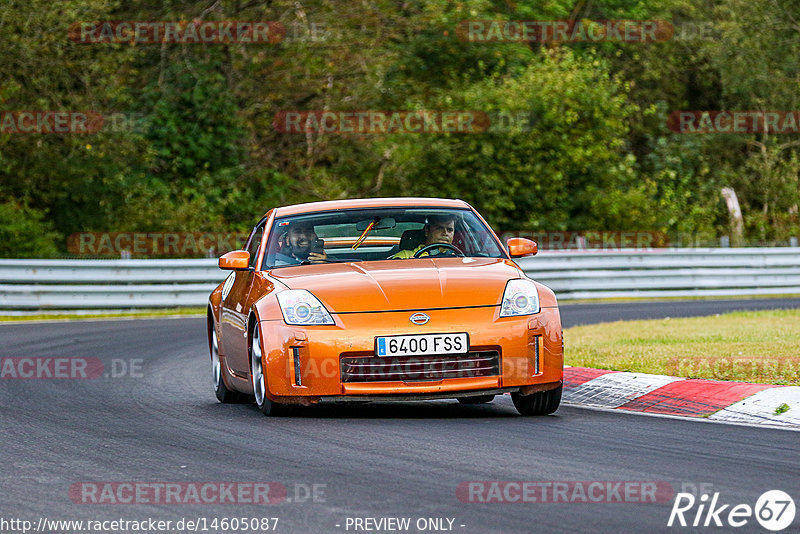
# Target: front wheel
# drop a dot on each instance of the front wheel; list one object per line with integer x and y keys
{"x": 266, "y": 406}
{"x": 541, "y": 403}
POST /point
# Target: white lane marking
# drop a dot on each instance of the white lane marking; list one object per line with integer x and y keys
{"x": 612, "y": 390}
{"x": 771, "y": 426}
{"x": 759, "y": 408}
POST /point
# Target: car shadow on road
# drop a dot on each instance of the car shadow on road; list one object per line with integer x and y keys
{"x": 500, "y": 408}
{"x": 402, "y": 410}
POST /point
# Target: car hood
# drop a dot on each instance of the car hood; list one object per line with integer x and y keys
{"x": 403, "y": 284}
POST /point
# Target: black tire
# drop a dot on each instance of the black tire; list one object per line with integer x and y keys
{"x": 541, "y": 403}
{"x": 480, "y": 399}
{"x": 258, "y": 379}
{"x": 222, "y": 392}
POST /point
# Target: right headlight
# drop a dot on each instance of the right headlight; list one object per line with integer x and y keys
{"x": 300, "y": 307}
{"x": 519, "y": 298}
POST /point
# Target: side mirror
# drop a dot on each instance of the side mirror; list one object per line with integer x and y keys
{"x": 519, "y": 246}
{"x": 235, "y": 260}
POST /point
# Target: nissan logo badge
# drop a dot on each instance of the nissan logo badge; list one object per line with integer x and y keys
{"x": 420, "y": 318}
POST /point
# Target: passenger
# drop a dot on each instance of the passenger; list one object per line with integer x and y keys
{"x": 300, "y": 244}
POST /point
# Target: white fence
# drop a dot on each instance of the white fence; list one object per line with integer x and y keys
{"x": 123, "y": 284}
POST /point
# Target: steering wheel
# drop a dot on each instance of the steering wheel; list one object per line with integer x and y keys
{"x": 432, "y": 246}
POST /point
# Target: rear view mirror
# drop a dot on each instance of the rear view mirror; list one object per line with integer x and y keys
{"x": 382, "y": 224}
{"x": 519, "y": 246}
{"x": 235, "y": 260}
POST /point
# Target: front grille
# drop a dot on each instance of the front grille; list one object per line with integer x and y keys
{"x": 420, "y": 368}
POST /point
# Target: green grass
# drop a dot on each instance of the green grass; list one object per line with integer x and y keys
{"x": 783, "y": 408}
{"x": 761, "y": 346}
{"x": 137, "y": 314}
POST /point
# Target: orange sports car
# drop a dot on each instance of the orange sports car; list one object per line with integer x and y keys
{"x": 382, "y": 299}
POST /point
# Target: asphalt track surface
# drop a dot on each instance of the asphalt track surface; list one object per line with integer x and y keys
{"x": 376, "y": 460}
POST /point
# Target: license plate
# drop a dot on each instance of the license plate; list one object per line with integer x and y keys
{"x": 422, "y": 344}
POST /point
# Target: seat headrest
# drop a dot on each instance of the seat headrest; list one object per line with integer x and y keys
{"x": 411, "y": 239}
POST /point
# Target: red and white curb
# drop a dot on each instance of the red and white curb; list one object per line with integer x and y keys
{"x": 735, "y": 402}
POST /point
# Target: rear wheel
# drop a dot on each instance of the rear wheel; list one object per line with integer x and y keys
{"x": 479, "y": 399}
{"x": 266, "y": 406}
{"x": 220, "y": 390}
{"x": 541, "y": 403}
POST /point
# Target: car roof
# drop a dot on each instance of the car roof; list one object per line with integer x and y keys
{"x": 331, "y": 205}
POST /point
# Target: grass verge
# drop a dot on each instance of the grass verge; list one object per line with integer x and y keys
{"x": 758, "y": 346}
{"x": 625, "y": 300}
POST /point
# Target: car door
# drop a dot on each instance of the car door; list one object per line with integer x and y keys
{"x": 234, "y": 310}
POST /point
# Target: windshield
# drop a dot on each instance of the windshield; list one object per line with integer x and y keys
{"x": 378, "y": 234}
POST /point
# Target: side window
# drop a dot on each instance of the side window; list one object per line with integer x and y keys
{"x": 254, "y": 243}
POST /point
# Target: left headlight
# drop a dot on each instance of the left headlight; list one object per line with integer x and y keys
{"x": 300, "y": 307}
{"x": 519, "y": 298}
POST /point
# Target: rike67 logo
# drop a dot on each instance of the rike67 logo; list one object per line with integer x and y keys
{"x": 774, "y": 510}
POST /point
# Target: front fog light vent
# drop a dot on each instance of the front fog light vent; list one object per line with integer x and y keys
{"x": 298, "y": 379}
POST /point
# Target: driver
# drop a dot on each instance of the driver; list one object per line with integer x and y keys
{"x": 438, "y": 229}
{"x": 300, "y": 244}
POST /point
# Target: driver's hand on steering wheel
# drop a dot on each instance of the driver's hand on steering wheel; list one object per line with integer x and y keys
{"x": 444, "y": 249}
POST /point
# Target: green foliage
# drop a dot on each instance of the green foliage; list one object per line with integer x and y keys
{"x": 595, "y": 155}
{"x": 548, "y": 170}
{"x": 24, "y": 233}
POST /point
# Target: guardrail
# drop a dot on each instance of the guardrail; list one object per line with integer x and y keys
{"x": 106, "y": 284}
{"x": 668, "y": 272}
{"x": 123, "y": 284}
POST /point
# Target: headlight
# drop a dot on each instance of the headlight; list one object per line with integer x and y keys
{"x": 519, "y": 298}
{"x": 300, "y": 307}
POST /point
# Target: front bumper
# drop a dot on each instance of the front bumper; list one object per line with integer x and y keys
{"x": 304, "y": 364}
